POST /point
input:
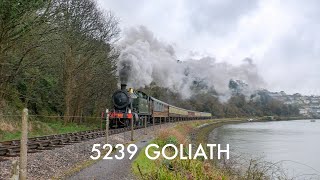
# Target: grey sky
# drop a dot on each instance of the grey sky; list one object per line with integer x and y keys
{"x": 282, "y": 37}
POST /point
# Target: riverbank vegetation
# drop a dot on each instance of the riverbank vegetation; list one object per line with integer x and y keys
{"x": 199, "y": 168}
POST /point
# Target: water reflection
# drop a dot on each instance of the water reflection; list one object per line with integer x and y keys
{"x": 296, "y": 144}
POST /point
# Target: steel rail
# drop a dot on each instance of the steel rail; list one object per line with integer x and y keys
{"x": 37, "y": 144}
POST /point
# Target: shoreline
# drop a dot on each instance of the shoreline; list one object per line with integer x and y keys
{"x": 201, "y": 134}
{"x": 195, "y": 132}
{"x": 186, "y": 132}
{"x": 252, "y": 163}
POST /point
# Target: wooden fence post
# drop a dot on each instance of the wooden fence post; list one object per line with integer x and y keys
{"x": 132, "y": 122}
{"x": 145, "y": 125}
{"x": 24, "y": 145}
{"x": 15, "y": 170}
{"x": 107, "y": 126}
{"x": 153, "y": 123}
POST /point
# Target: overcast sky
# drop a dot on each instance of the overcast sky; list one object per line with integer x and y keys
{"x": 282, "y": 37}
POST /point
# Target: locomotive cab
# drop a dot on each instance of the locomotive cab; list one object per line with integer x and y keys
{"x": 140, "y": 104}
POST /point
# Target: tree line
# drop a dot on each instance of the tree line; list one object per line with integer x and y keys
{"x": 57, "y": 56}
{"x": 237, "y": 105}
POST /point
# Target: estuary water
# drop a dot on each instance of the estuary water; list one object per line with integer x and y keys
{"x": 294, "y": 145}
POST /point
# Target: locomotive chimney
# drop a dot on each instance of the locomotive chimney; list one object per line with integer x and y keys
{"x": 123, "y": 86}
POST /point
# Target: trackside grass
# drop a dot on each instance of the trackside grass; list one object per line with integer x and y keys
{"x": 186, "y": 133}
{"x": 11, "y": 129}
{"x": 161, "y": 168}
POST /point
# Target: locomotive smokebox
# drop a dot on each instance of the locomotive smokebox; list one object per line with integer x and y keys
{"x": 123, "y": 86}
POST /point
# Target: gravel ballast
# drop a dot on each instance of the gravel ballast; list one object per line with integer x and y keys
{"x": 57, "y": 162}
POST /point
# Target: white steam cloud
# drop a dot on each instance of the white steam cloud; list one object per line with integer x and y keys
{"x": 146, "y": 59}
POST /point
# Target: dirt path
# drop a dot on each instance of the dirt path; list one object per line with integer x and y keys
{"x": 113, "y": 168}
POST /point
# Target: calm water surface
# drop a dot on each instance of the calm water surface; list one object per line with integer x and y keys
{"x": 295, "y": 143}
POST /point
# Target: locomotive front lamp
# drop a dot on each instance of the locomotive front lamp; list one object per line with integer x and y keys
{"x": 129, "y": 110}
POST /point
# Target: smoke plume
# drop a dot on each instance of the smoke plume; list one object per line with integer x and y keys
{"x": 145, "y": 59}
{"x": 125, "y": 70}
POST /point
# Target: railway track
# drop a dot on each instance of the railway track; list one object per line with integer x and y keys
{"x": 38, "y": 144}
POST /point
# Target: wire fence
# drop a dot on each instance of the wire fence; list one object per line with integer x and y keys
{"x": 57, "y": 121}
{"x": 37, "y": 129}
{"x": 98, "y": 120}
{"x": 50, "y": 116}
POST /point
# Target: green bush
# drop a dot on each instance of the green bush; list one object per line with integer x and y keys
{"x": 172, "y": 140}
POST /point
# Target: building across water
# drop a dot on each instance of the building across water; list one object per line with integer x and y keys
{"x": 309, "y": 106}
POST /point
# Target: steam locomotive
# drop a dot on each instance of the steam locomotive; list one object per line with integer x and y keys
{"x": 132, "y": 106}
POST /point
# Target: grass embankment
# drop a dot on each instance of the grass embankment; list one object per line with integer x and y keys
{"x": 177, "y": 168}
{"x": 186, "y": 133}
{"x": 10, "y": 129}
